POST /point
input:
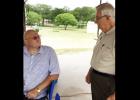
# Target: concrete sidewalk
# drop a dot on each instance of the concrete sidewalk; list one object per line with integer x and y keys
{"x": 71, "y": 84}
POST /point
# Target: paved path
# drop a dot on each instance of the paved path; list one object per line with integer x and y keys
{"x": 71, "y": 84}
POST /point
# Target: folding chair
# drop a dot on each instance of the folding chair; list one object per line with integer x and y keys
{"x": 51, "y": 89}
{"x": 57, "y": 96}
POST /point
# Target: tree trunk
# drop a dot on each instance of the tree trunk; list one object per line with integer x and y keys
{"x": 43, "y": 22}
{"x": 66, "y": 27}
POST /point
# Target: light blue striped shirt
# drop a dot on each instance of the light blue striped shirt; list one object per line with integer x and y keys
{"x": 38, "y": 66}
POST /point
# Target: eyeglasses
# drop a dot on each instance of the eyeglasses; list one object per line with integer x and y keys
{"x": 35, "y": 37}
{"x": 98, "y": 18}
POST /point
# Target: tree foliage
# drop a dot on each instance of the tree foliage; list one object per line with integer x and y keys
{"x": 33, "y": 18}
{"x": 84, "y": 13}
{"x": 57, "y": 11}
{"x": 44, "y": 10}
{"x": 65, "y": 19}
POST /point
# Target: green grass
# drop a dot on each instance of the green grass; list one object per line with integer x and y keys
{"x": 67, "y": 41}
{"x": 73, "y": 34}
{"x": 71, "y": 50}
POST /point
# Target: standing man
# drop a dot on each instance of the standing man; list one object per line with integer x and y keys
{"x": 41, "y": 67}
{"x": 101, "y": 74}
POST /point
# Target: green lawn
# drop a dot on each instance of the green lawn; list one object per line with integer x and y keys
{"x": 68, "y": 40}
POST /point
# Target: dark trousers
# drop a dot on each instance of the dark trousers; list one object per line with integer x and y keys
{"x": 102, "y": 85}
{"x": 43, "y": 98}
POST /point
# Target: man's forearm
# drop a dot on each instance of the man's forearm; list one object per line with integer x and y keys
{"x": 47, "y": 82}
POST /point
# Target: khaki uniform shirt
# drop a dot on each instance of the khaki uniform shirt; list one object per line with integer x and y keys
{"x": 103, "y": 58}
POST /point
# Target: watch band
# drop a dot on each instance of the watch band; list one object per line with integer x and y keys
{"x": 38, "y": 90}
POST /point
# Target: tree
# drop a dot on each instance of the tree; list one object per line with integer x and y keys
{"x": 43, "y": 10}
{"x": 77, "y": 13}
{"x": 88, "y": 13}
{"x": 33, "y": 18}
{"x": 65, "y": 19}
{"x": 84, "y": 13}
{"x": 56, "y": 12}
{"x": 29, "y": 7}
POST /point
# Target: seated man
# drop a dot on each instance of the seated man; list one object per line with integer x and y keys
{"x": 40, "y": 67}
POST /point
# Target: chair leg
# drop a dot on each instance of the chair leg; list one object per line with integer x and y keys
{"x": 57, "y": 97}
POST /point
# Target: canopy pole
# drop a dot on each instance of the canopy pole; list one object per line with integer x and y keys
{"x": 100, "y": 1}
{"x": 24, "y": 17}
{"x": 24, "y": 25}
{"x": 98, "y": 27}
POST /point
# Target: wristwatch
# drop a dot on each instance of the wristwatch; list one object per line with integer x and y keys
{"x": 38, "y": 90}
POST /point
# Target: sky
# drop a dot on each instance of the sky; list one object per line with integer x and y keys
{"x": 71, "y": 4}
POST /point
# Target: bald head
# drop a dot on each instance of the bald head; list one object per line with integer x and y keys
{"x": 29, "y": 33}
{"x": 32, "y": 39}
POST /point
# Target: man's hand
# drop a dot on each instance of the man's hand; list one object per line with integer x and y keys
{"x": 111, "y": 97}
{"x": 32, "y": 94}
{"x": 88, "y": 78}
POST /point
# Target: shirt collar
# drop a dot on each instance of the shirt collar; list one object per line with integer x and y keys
{"x": 25, "y": 50}
{"x": 39, "y": 52}
{"x": 110, "y": 31}
{"x": 41, "y": 49}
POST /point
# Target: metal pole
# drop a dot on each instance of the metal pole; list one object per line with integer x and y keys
{"x": 98, "y": 27}
{"x": 24, "y": 17}
{"x": 24, "y": 26}
{"x": 100, "y": 1}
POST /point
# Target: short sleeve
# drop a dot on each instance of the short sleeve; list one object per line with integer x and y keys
{"x": 53, "y": 63}
{"x": 114, "y": 48}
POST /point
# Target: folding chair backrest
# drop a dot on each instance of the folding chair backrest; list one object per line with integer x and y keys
{"x": 57, "y": 96}
{"x": 51, "y": 89}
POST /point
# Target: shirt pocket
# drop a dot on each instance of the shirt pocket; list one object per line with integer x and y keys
{"x": 106, "y": 52}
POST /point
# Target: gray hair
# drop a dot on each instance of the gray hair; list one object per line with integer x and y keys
{"x": 106, "y": 9}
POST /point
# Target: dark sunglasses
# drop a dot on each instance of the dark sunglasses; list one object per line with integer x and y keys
{"x": 35, "y": 37}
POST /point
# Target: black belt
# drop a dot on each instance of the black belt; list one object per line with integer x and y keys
{"x": 103, "y": 74}
{"x": 25, "y": 98}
